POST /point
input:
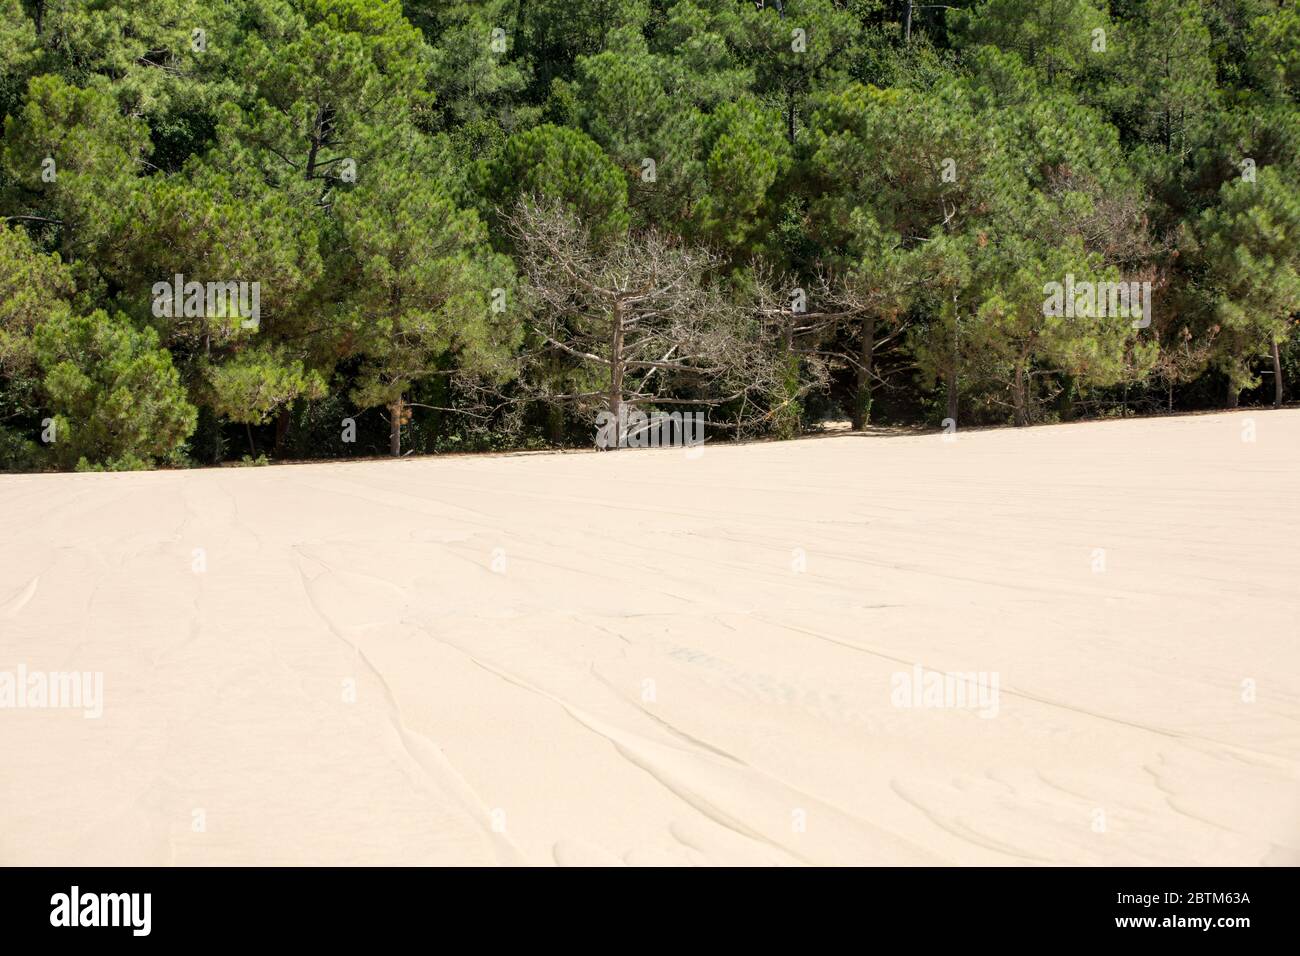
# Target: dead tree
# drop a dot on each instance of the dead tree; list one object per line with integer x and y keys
{"x": 818, "y": 318}
{"x": 641, "y": 314}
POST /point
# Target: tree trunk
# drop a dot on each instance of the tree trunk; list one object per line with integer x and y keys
{"x": 1277, "y": 375}
{"x": 956, "y": 354}
{"x": 282, "y": 423}
{"x": 310, "y": 170}
{"x": 395, "y": 428}
{"x": 616, "y": 375}
{"x": 1065, "y": 401}
{"x": 862, "y": 403}
{"x": 1234, "y": 393}
{"x": 1020, "y": 398}
{"x": 555, "y": 424}
{"x": 952, "y": 394}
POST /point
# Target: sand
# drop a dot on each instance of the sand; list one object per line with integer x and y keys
{"x": 726, "y": 656}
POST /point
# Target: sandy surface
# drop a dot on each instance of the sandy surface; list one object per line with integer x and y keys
{"x": 654, "y": 657}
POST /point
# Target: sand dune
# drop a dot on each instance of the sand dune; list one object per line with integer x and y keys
{"x": 654, "y": 657}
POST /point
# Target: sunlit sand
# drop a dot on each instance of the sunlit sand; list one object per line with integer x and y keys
{"x": 745, "y": 655}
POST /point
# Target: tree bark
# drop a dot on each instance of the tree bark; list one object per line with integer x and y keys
{"x": 395, "y": 428}
{"x": 555, "y": 424}
{"x": 282, "y": 423}
{"x": 1065, "y": 401}
{"x": 310, "y": 169}
{"x": 862, "y": 403}
{"x": 1234, "y": 393}
{"x": 952, "y": 394}
{"x": 956, "y": 355}
{"x": 1020, "y": 398}
{"x": 616, "y": 374}
{"x": 1277, "y": 375}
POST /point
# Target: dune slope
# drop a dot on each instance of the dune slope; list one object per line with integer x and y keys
{"x": 661, "y": 657}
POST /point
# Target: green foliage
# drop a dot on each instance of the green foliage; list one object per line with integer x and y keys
{"x": 1167, "y": 91}
{"x": 423, "y": 281}
{"x": 254, "y": 384}
{"x": 745, "y": 157}
{"x": 477, "y": 76}
{"x": 919, "y": 161}
{"x": 361, "y": 161}
{"x": 33, "y": 288}
{"x": 564, "y": 165}
{"x": 1057, "y": 37}
{"x": 1249, "y": 246}
{"x": 93, "y": 155}
{"x": 1275, "y": 51}
{"x": 116, "y": 398}
{"x": 18, "y": 53}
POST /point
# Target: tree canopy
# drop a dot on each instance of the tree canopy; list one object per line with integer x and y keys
{"x": 312, "y": 228}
